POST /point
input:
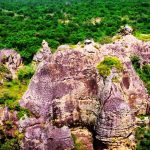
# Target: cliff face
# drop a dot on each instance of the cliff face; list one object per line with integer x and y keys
{"x": 67, "y": 91}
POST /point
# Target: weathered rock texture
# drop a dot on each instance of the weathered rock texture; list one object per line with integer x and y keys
{"x": 46, "y": 137}
{"x": 11, "y": 59}
{"x": 67, "y": 90}
{"x": 43, "y": 54}
{"x": 114, "y": 122}
{"x": 8, "y": 123}
{"x": 83, "y": 138}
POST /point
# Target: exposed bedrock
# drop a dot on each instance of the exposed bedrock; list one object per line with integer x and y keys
{"x": 115, "y": 122}
{"x": 67, "y": 91}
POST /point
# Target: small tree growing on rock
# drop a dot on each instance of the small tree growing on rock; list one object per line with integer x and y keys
{"x": 104, "y": 67}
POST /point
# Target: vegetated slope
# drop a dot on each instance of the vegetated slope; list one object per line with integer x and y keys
{"x": 24, "y": 24}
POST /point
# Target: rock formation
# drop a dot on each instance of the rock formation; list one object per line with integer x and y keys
{"x": 126, "y": 30}
{"x": 43, "y": 54}
{"x": 8, "y": 123}
{"x": 67, "y": 91}
{"x": 115, "y": 122}
{"x": 11, "y": 59}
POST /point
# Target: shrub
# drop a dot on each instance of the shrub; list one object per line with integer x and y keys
{"x": 143, "y": 138}
{"x": 105, "y": 40}
{"x": 9, "y": 124}
{"x": 104, "y": 67}
{"x": 26, "y": 72}
{"x": 11, "y": 144}
{"x": 78, "y": 144}
{"x": 143, "y": 37}
{"x": 103, "y": 70}
{"x": 23, "y": 112}
{"x": 143, "y": 72}
{"x": 11, "y": 92}
{"x": 146, "y": 70}
{"x": 3, "y": 71}
{"x": 135, "y": 61}
{"x": 3, "y": 68}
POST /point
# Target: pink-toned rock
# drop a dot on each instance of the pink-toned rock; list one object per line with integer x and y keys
{"x": 47, "y": 137}
{"x": 67, "y": 90}
{"x": 11, "y": 59}
{"x": 115, "y": 122}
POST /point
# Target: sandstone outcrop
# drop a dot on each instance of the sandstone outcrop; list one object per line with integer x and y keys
{"x": 47, "y": 137}
{"x": 67, "y": 91}
{"x": 63, "y": 47}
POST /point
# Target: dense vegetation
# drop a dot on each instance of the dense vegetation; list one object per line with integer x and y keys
{"x": 11, "y": 91}
{"x": 142, "y": 71}
{"x": 25, "y": 23}
{"x": 143, "y": 138}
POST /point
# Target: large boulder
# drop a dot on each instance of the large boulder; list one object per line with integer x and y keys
{"x": 64, "y": 88}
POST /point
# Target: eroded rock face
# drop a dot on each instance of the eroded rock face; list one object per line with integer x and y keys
{"x": 115, "y": 122}
{"x": 67, "y": 90}
{"x": 44, "y": 135}
{"x": 62, "y": 87}
{"x": 133, "y": 90}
